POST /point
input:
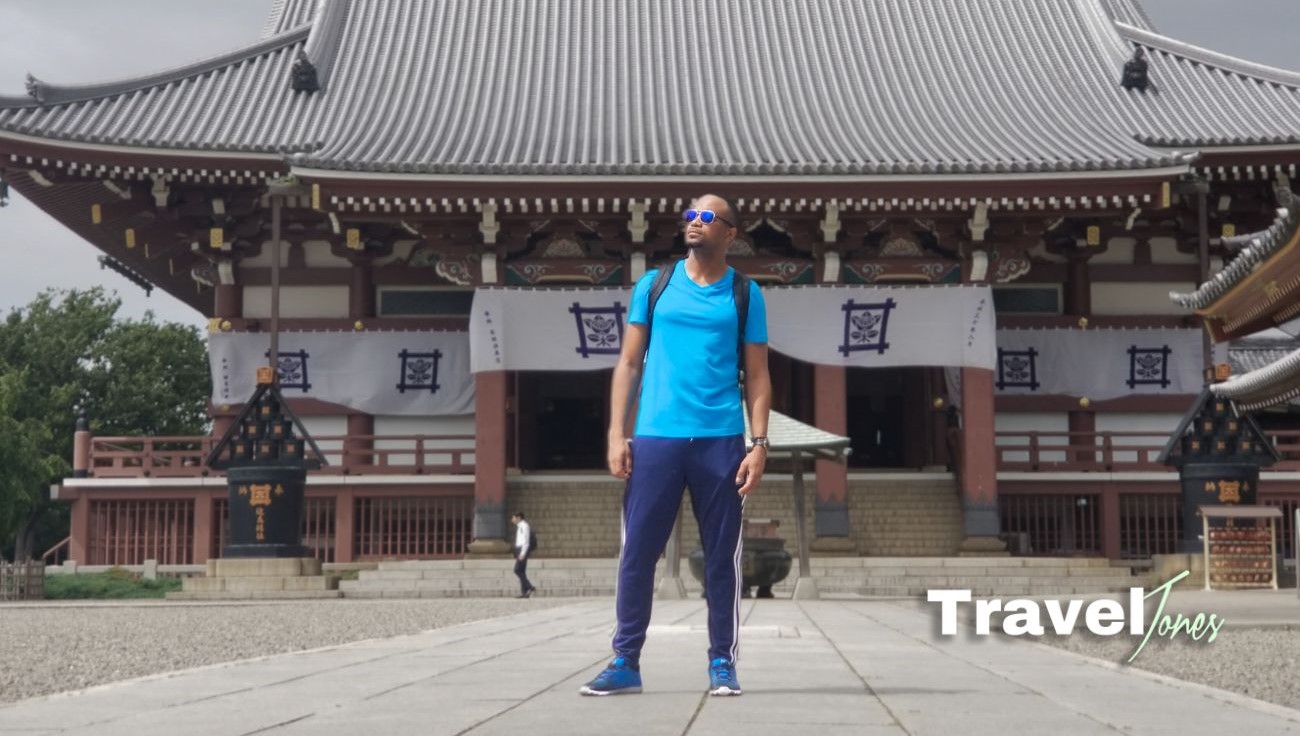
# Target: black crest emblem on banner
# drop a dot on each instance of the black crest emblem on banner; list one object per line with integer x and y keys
{"x": 1148, "y": 366}
{"x": 866, "y": 326}
{"x": 419, "y": 371}
{"x": 1018, "y": 369}
{"x": 600, "y": 329}
{"x": 292, "y": 367}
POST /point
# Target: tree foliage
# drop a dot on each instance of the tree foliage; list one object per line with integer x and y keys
{"x": 65, "y": 351}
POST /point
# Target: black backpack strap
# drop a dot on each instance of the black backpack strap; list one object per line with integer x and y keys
{"x": 657, "y": 288}
{"x": 740, "y": 294}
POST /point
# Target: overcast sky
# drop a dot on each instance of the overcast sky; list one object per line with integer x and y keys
{"x": 78, "y": 41}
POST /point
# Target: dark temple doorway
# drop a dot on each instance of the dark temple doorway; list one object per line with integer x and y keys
{"x": 559, "y": 420}
{"x": 891, "y": 420}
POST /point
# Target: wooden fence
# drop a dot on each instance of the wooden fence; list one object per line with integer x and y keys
{"x": 22, "y": 581}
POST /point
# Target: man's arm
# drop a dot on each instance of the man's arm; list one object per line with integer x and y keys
{"x": 627, "y": 377}
{"x": 758, "y": 394}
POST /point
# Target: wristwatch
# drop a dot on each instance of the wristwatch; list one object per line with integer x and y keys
{"x": 760, "y": 441}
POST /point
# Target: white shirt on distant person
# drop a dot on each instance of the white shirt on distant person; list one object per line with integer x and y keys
{"x": 523, "y": 534}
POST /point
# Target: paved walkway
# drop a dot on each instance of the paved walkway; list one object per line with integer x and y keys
{"x": 819, "y": 667}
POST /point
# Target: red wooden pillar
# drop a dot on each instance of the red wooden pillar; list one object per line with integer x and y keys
{"x": 228, "y": 301}
{"x": 221, "y": 423}
{"x": 490, "y": 464}
{"x": 979, "y": 478}
{"x": 361, "y": 291}
{"x": 344, "y": 523}
{"x": 1110, "y": 514}
{"x": 79, "y": 544}
{"x": 361, "y": 306}
{"x": 832, "y": 530}
{"x": 357, "y": 446}
{"x": 1078, "y": 303}
{"x": 1083, "y": 432}
{"x": 203, "y": 522}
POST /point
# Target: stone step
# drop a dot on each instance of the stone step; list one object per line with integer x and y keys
{"x": 226, "y": 595}
{"x": 907, "y": 576}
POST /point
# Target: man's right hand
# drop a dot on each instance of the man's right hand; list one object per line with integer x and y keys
{"x": 620, "y": 458}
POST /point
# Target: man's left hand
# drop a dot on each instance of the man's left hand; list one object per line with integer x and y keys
{"x": 751, "y": 470}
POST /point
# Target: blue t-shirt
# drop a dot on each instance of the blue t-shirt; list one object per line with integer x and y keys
{"x": 688, "y": 387}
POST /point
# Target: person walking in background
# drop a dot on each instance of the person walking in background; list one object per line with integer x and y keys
{"x": 691, "y": 326}
{"x": 523, "y": 548}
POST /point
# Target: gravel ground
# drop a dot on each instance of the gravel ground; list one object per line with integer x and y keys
{"x": 68, "y": 646}
{"x": 1261, "y": 663}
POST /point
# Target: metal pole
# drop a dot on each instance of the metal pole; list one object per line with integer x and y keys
{"x": 805, "y": 588}
{"x": 805, "y": 568}
{"x": 274, "y": 355}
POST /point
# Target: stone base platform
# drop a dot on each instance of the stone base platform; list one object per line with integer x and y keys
{"x": 259, "y": 579}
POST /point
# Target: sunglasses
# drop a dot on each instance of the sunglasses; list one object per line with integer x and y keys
{"x": 706, "y": 217}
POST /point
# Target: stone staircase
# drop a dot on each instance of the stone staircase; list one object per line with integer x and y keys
{"x": 836, "y": 577}
{"x": 890, "y": 515}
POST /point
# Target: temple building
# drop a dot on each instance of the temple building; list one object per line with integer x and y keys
{"x": 967, "y": 219}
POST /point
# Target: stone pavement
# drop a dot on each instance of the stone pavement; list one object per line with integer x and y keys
{"x": 821, "y": 667}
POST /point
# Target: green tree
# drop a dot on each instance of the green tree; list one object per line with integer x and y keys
{"x": 65, "y": 351}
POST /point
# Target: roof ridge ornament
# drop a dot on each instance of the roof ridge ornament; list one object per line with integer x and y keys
{"x": 303, "y": 74}
{"x": 1135, "y": 72}
{"x": 35, "y": 88}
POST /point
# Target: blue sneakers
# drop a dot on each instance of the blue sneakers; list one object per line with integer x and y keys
{"x": 722, "y": 677}
{"x": 621, "y": 676}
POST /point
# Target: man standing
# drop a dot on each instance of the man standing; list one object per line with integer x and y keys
{"x": 689, "y": 433}
{"x": 523, "y": 548}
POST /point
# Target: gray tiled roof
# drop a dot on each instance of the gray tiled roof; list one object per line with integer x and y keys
{"x": 1252, "y": 249}
{"x": 1250, "y": 356}
{"x": 786, "y": 434}
{"x": 1201, "y": 98}
{"x": 748, "y": 87}
{"x": 1274, "y": 383}
{"x": 286, "y": 15}
{"x": 1130, "y": 12}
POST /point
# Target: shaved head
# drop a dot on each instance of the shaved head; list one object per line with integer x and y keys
{"x": 720, "y": 204}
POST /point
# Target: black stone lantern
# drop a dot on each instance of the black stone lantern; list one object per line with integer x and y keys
{"x": 1218, "y": 451}
{"x": 266, "y": 466}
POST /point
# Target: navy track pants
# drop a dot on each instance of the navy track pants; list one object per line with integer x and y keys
{"x": 661, "y": 468}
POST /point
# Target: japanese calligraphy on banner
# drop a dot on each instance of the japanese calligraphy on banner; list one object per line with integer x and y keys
{"x": 547, "y": 329}
{"x": 1098, "y": 363}
{"x": 399, "y": 373}
{"x": 583, "y": 328}
{"x": 882, "y": 326}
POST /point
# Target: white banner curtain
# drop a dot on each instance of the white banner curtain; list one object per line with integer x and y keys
{"x": 1100, "y": 364}
{"x": 526, "y": 329}
{"x": 392, "y": 373}
{"x": 883, "y": 326}
{"x": 582, "y": 328}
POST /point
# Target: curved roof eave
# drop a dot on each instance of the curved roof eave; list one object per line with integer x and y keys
{"x": 312, "y": 172}
{"x": 1253, "y": 249}
{"x": 1233, "y": 64}
{"x": 50, "y": 94}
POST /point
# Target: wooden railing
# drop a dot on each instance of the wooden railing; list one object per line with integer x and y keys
{"x": 57, "y": 554}
{"x": 1117, "y": 521}
{"x": 1108, "y": 451}
{"x": 183, "y": 457}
